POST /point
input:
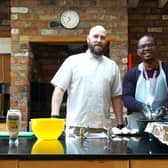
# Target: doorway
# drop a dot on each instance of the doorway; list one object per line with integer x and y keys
{"x": 47, "y": 58}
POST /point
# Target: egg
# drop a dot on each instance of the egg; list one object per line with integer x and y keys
{"x": 116, "y": 130}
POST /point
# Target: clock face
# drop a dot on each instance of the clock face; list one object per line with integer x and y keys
{"x": 69, "y": 19}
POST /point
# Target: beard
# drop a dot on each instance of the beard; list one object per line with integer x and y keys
{"x": 96, "y": 49}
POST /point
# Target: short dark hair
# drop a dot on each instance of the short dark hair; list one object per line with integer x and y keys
{"x": 148, "y": 35}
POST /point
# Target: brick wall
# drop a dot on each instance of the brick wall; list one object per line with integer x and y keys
{"x": 147, "y": 17}
{"x": 30, "y": 19}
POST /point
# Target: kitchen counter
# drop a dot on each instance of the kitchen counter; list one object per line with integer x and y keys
{"x": 118, "y": 147}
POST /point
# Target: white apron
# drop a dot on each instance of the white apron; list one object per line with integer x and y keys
{"x": 153, "y": 91}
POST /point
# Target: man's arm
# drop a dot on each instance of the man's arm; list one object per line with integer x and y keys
{"x": 128, "y": 92}
{"x": 118, "y": 109}
{"x": 56, "y": 101}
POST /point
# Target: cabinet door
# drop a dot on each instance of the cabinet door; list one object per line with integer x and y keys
{"x": 149, "y": 163}
{"x": 3, "y": 127}
{"x": 8, "y": 163}
{"x": 74, "y": 163}
{"x": 4, "y": 68}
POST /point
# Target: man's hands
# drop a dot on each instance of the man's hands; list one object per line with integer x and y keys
{"x": 153, "y": 114}
{"x": 147, "y": 111}
{"x": 159, "y": 112}
{"x": 120, "y": 126}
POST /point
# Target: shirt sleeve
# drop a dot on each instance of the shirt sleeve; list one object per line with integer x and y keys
{"x": 63, "y": 76}
{"x": 116, "y": 86}
{"x": 128, "y": 92}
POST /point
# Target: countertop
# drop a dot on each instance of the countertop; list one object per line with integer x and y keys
{"x": 118, "y": 147}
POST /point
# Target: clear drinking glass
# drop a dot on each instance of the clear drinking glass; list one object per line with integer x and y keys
{"x": 13, "y": 123}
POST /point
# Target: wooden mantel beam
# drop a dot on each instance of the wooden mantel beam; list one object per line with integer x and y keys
{"x": 162, "y": 3}
{"x": 44, "y": 39}
{"x": 132, "y": 3}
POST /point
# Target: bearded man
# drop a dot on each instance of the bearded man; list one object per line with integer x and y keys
{"x": 93, "y": 85}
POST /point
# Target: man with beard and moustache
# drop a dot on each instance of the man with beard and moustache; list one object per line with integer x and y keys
{"x": 93, "y": 85}
{"x": 145, "y": 89}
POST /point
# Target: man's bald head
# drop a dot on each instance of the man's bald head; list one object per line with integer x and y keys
{"x": 96, "y": 29}
{"x": 97, "y": 40}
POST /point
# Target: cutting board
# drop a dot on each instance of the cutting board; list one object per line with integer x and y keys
{"x": 21, "y": 134}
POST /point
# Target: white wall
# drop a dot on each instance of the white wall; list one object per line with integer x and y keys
{"x": 5, "y": 45}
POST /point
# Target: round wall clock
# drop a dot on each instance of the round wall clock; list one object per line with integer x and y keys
{"x": 69, "y": 19}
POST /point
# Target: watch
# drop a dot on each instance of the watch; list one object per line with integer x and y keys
{"x": 69, "y": 19}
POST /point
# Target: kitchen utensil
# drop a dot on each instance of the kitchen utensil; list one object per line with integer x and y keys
{"x": 47, "y": 128}
{"x": 21, "y": 134}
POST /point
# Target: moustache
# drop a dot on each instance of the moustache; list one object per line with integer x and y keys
{"x": 98, "y": 45}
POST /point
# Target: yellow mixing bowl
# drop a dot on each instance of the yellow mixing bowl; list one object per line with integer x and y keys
{"x": 47, "y": 128}
{"x": 47, "y": 147}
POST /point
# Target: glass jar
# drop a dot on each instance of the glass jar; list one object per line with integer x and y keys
{"x": 13, "y": 123}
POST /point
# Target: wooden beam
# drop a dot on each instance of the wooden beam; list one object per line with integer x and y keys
{"x": 57, "y": 38}
{"x": 44, "y": 39}
{"x": 132, "y": 3}
{"x": 162, "y": 3}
